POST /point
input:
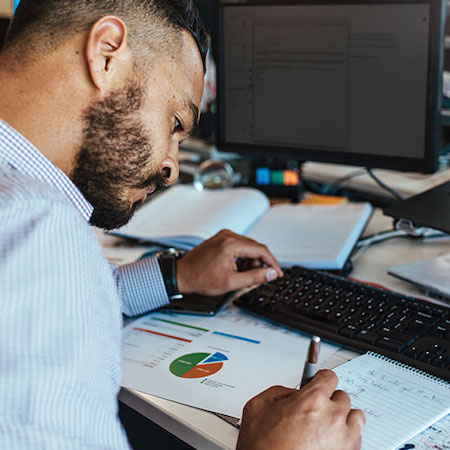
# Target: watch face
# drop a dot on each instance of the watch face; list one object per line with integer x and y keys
{"x": 170, "y": 252}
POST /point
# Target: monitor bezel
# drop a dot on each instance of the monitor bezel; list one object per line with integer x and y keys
{"x": 426, "y": 164}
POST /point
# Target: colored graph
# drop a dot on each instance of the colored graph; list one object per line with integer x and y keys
{"x": 197, "y": 365}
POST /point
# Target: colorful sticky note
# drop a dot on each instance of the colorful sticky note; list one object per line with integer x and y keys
{"x": 290, "y": 178}
{"x": 276, "y": 177}
{"x": 262, "y": 176}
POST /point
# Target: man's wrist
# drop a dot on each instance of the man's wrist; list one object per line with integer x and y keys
{"x": 182, "y": 282}
{"x": 167, "y": 260}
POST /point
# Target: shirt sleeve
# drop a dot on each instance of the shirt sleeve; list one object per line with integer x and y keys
{"x": 141, "y": 286}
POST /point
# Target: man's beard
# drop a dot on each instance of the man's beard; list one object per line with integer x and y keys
{"x": 115, "y": 157}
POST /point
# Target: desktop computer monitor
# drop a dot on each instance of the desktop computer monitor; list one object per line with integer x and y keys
{"x": 351, "y": 82}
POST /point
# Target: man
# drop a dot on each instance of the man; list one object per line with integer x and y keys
{"x": 95, "y": 97}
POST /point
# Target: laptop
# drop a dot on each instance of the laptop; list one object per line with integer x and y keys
{"x": 431, "y": 275}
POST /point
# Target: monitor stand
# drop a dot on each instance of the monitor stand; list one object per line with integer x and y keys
{"x": 429, "y": 209}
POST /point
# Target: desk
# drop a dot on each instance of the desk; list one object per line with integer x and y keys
{"x": 406, "y": 183}
{"x": 205, "y": 430}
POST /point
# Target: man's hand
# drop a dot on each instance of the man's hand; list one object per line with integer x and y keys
{"x": 224, "y": 263}
{"x": 315, "y": 417}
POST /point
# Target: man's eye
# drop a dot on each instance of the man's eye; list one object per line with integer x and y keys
{"x": 178, "y": 127}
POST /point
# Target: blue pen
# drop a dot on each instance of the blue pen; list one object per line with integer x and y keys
{"x": 311, "y": 360}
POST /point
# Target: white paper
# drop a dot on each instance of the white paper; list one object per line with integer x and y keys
{"x": 398, "y": 402}
{"x": 195, "y": 215}
{"x": 435, "y": 437}
{"x": 314, "y": 236}
{"x": 248, "y": 356}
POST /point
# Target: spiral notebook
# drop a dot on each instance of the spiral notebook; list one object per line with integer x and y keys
{"x": 399, "y": 401}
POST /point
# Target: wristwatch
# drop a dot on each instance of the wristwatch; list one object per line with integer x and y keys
{"x": 167, "y": 260}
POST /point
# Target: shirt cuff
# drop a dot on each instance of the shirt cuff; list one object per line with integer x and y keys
{"x": 141, "y": 287}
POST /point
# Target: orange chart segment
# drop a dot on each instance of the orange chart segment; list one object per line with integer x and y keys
{"x": 203, "y": 370}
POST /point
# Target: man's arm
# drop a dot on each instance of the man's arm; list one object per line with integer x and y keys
{"x": 224, "y": 263}
{"x": 141, "y": 286}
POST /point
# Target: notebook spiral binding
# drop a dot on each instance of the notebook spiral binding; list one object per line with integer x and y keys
{"x": 418, "y": 372}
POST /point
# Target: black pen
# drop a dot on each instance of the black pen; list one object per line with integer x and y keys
{"x": 311, "y": 360}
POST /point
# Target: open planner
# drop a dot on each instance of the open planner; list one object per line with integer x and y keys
{"x": 399, "y": 401}
{"x": 314, "y": 236}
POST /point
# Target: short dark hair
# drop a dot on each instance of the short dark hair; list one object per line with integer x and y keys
{"x": 47, "y": 21}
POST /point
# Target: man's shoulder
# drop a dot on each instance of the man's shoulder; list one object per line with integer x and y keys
{"x": 23, "y": 197}
{"x": 16, "y": 186}
{"x": 32, "y": 207}
{"x": 45, "y": 229}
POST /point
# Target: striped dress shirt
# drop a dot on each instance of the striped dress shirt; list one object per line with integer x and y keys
{"x": 61, "y": 310}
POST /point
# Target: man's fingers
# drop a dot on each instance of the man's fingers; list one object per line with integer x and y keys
{"x": 276, "y": 393}
{"x": 343, "y": 399}
{"x": 248, "y": 264}
{"x": 239, "y": 280}
{"x": 325, "y": 379}
{"x": 249, "y": 249}
{"x": 356, "y": 420}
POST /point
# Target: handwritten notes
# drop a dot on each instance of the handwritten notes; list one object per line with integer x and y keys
{"x": 398, "y": 402}
{"x": 435, "y": 437}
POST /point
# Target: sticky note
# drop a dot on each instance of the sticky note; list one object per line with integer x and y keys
{"x": 290, "y": 178}
{"x": 262, "y": 176}
{"x": 276, "y": 177}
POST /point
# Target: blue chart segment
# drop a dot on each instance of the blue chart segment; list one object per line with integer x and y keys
{"x": 233, "y": 336}
{"x": 217, "y": 357}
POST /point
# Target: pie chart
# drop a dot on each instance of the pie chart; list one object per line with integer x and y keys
{"x": 197, "y": 365}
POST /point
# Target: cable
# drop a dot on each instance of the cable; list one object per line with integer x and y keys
{"x": 380, "y": 237}
{"x": 392, "y": 191}
{"x": 333, "y": 187}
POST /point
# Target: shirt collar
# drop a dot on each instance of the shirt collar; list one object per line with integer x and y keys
{"x": 23, "y": 156}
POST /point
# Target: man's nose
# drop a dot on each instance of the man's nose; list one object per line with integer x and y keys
{"x": 169, "y": 168}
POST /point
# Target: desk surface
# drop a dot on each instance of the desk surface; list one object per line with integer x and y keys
{"x": 406, "y": 183}
{"x": 207, "y": 431}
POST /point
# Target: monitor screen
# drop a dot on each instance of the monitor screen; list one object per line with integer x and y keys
{"x": 345, "y": 82}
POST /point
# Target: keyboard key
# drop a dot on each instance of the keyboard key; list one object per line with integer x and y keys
{"x": 308, "y": 318}
{"x": 417, "y": 327}
{"x": 348, "y": 330}
{"x": 391, "y": 344}
{"x": 442, "y": 361}
{"x": 366, "y": 336}
{"x": 426, "y": 356}
{"x": 427, "y": 315}
{"x": 397, "y": 335}
{"x": 441, "y": 331}
{"x": 438, "y": 349}
{"x": 413, "y": 352}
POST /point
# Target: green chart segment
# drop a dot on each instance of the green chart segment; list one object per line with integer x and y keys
{"x": 197, "y": 365}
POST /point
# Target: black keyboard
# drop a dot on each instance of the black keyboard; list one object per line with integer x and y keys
{"x": 357, "y": 316}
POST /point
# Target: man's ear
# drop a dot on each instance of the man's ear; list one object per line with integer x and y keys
{"x": 109, "y": 58}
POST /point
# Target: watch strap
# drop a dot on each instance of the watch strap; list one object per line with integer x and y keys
{"x": 168, "y": 264}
